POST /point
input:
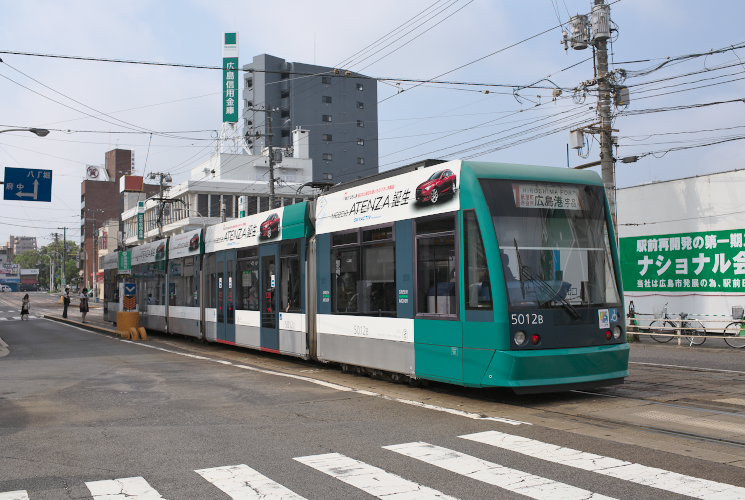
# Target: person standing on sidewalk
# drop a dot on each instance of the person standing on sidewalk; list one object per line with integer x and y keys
{"x": 25, "y": 303}
{"x": 84, "y": 303}
{"x": 65, "y": 302}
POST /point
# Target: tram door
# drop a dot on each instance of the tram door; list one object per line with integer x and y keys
{"x": 225, "y": 287}
{"x": 269, "y": 289}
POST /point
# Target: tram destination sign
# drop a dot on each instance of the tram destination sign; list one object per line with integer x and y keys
{"x": 426, "y": 191}
{"x": 711, "y": 261}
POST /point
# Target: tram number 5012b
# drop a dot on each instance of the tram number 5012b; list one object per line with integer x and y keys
{"x": 526, "y": 319}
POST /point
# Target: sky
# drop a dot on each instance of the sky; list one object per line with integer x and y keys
{"x": 512, "y": 49}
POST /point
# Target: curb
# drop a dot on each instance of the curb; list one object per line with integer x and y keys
{"x": 85, "y": 326}
{"x": 4, "y": 351}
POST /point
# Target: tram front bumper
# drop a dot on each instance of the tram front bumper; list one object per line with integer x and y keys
{"x": 560, "y": 369}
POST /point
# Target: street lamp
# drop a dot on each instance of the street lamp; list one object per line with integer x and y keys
{"x": 41, "y": 132}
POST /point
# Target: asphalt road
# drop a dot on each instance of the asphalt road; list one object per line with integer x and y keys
{"x": 80, "y": 412}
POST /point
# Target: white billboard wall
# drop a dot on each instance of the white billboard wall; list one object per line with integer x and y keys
{"x": 703, "y": 204}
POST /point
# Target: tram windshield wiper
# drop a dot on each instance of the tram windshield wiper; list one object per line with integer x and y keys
{"x": 544, "y": 287}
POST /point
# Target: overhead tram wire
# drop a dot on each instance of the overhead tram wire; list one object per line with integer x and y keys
{"x": 351, "y": 60}
{"x": 122, "y": 123}
{"x": 450, "y": 15}
{"x": 486, "y": 56}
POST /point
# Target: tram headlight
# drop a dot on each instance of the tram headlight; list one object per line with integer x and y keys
{"x": 617, "y": 331}
{"x": 519, "y": 337}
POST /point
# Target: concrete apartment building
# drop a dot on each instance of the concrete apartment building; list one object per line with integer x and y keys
{"x": 100, "y": 201}
{"x": 338, "y": 108}
{"x": 21, "y": 244}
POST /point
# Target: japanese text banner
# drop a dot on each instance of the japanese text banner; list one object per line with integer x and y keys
{"x": 712, "y": 261}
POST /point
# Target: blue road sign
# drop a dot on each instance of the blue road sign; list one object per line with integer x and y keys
{"x": 27, "y": 184}
{"x": 130, "y": 289}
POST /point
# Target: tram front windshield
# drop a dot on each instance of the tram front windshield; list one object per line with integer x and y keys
{"x": 554, "y": 243}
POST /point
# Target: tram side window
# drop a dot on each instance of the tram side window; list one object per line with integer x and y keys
{"x": 211, "y": 280}
{"x": 150, "y": 279}
{"x": 437, "y": 266}
{"x": 182, "y": 287}
{"x": 478, "y": 284}
{"x": 290, "y": 274}
{"x": 364, "y": 272}
{"x": 248, "y": 280}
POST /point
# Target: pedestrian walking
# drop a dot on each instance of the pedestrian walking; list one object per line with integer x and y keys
{"x": 84, "y": 303}
{"x": 25, "y": 303}
{"x": 65, "y": 301}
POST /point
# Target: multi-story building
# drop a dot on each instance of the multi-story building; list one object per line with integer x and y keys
{"x": 339, "y": 109}
{"x": 100, "y": 200}
{"x": 224, "y": 187}
{"x": 21, "y": 244}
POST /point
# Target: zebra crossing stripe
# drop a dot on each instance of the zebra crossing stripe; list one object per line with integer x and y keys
{"x": 628, "y": 471}
{"x": 128, "y": 488}
{"x": 14, "y": 495}
{"x": 370, "y": 479}
{"x": 244, "y": 483}
{"x": 507, "y": 478}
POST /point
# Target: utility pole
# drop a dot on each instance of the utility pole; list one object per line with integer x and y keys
{"x": 64, "y": 254}
{"x": 56, "y": 242}
{"x": 270, "y": 135}
{"x": 162, "y": 177}
{"x": 601, "y": 16}
{"x": 596, "y": 32}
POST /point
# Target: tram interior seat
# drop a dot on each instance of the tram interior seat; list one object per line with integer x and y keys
{"x": 441, "y": 298}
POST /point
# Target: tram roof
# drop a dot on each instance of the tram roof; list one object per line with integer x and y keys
{"x": 487, "y": 169}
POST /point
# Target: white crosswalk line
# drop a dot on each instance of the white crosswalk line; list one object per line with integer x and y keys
{"x": 14, "y": 495}
{"x": 370, "y": 479}
{"x": 244, "y": 483}
{"x": 628, "y": 471}
{"x": 507, "y": 478}
{"x": 128, "y": 488}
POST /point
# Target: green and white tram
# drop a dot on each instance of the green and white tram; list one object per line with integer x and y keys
{"x": 476, "y": 274}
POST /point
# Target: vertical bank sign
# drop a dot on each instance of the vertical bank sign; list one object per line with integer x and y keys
{"x": 230, "y": 80}
{"x": 712, "y": 261}
{"x": 426, "y": 191}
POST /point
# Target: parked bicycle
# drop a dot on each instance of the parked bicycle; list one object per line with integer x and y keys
{"x": 666, "y": 328}
{"x": 734, "y": 333}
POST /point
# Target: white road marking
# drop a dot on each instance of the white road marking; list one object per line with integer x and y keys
{"x": 694, "y": 368}
{"x": 330, "y": 385}
{"x": 128, "y": 488}
{"x": 732, "y": 401}
{"x": 241, "y": 482}
{"x": 628, "y": 471}
{"x": 14, "y": 495}
{"x": 507, "y": 478}
{"x": 663, "y": 416}
{"x": 370, "y": 479}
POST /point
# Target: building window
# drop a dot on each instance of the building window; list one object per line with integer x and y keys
{"x": 326, "y": 137}
{"x": 326, "y": 99}
{"x": 360, "y": 142}
{"x": 360, "y": 160}
{"x": 326, "y": 118}
{"x": 284, "y": 76}
{"x": 263, "y": 203}
{"x": 360, "y": 123}
{"x": 360, "y": 87}
{"x": 249, "y": 83}
{"x": 284, "y": 113}
{"x": 328, "y": 156}
{"x": 285, "y": 133}
{"x": 202, "y": 205}
{"x": 360, "y": 105}
{"x": 326, "y": 80}
{"x": 327, "y": 176}
{"x": 284, "y": 94}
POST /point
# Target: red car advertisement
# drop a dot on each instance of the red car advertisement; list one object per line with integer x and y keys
{"x": 270, "y": 227}
{"x": 440, "y": 184}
